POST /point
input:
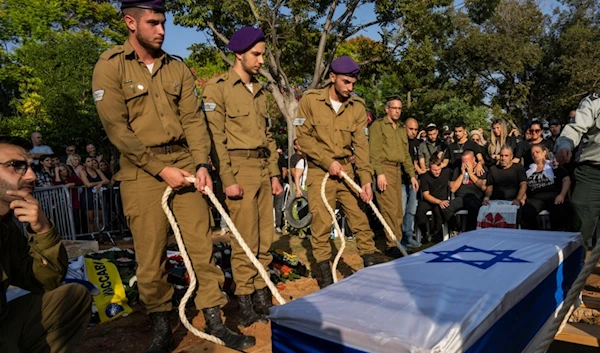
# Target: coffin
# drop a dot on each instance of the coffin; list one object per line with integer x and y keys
{"x": 489, "y": 290}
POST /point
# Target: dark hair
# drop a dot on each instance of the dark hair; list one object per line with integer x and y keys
{"x": 536, "y": 122}
{"x": 16, "y": 141}
{"x": 44, "y": 156}
{"x": 435, "y": 160}
{"x": 460, "y": 123}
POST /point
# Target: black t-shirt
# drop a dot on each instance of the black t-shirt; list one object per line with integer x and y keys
{"x": 525, "y": 151}
{"x": 470, "y": 188}
{"x": 455, "y": 150}
{"x": 506, "y": 181}
{"x": 294, "y": 159}
{"x": 437, "y": 187}
{"x": 413, "y": 150}
{"x": 539, "y": 183}
{"x": 282, "y": 163}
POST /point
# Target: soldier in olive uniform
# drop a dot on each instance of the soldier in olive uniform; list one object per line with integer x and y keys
{"x": 388, "y": 147}
{"x": 50, "y": 317}
{"x": 147, "y": 102}
{"x": 331, "y": 127}
{"x": 246, "y": 157}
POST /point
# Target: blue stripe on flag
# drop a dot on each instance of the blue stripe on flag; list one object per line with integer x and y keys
{"x": 287, "y": 340}
{"x": 513, "y": 331}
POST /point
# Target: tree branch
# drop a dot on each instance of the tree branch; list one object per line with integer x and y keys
{"x": 254, "y": 10}
{"x": 323, "y": 41}
{"x": 219, "y": 35}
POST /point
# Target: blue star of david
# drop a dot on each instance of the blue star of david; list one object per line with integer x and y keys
{"x": 500, "y": 256}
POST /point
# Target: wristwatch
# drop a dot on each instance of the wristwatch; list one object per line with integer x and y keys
{"x": 203, "y": 165}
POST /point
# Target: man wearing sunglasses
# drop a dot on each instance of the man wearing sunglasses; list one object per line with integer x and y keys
{"x": 536, "y": 138}
{"x": 48, "y": 317}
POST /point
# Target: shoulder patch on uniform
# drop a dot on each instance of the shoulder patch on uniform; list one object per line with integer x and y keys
{"x": 299, "y": 121}
{"x": 118, "y": 49}
{"x": 209, "y": 107}
{"x": 594, "y": 96}
{"x": 98, "y": 95}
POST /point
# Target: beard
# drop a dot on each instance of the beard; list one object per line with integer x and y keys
{"x": 147, "y": 43}
{"x": 5, "y": 186}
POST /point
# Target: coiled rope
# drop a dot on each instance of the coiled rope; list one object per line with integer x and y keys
{"x": 188, "y": 263}
{"x": 561, "y": 319}
{"x": 387, "y": 228}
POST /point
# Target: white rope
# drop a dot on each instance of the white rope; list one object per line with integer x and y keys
{"x": 561, "y": 319}
{"x": 188, "y": 263}
{"x": 387, "y": 228}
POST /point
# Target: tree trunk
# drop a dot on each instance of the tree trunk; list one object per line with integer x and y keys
{"x": 408, "y": 100}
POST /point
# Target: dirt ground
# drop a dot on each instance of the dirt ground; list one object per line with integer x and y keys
{"x": 133, "y": 333}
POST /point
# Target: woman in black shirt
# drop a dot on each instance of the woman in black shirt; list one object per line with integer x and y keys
{"x": 547, "y": 187}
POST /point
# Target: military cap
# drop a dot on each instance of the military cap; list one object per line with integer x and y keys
{"x": 431, "y": 126}
{"x": 554, "y": 122}
{"x": 245, "y": 38}
{"x": 157, "y": 5}
{"x": 344, "y": 65}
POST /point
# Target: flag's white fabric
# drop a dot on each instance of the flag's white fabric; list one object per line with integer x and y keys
{"x": 498, "y": 214}
{"x": 489, "y": 290}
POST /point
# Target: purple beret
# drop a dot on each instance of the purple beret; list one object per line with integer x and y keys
{"x": 245, "y": 38}
{"x": 157, "y": 5}
{"x": 344, "y": 65}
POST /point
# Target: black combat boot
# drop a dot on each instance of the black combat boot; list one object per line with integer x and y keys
{"x": 163, "y": 337}
{"x": 215, "y": 327}
{"x": 262, "y": 300}
{"x": 246, "y": 310}
{"x": 369, "y": 260}
{"x": 324, "y": 278}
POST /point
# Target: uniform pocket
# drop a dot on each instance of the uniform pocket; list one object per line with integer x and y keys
{"x": 346, "y": 133}
{"x": 135, "y": 98}
{"x": 173, "y": 91}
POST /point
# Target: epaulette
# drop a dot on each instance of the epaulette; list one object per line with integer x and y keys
{"x": 175, "y": 57}
{"x": 594, "y": 96}
{"x": 116, "y": 50}
{"x": 219, "y": 78}
{"x": 358, "y": 99}
{"x": 312, "y": 91}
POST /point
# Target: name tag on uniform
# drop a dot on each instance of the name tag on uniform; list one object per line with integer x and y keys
{"x": 98, "y": 95}
{"x": 299, "y": 121}
{"x": 209, "y": 107}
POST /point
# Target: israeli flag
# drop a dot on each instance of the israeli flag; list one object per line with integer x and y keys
{"x": 489, "y": 290}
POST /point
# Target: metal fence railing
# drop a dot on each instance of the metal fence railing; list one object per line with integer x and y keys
{"x": 80, "y": 212}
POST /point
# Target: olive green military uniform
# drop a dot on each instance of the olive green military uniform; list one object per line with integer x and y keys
{"x": 52, "y": 317}
{"x": 326, "y": 136}
{"x": 245, "y": 154}
{"x": 155, "y": 121}
{"x": 388, "y": 149}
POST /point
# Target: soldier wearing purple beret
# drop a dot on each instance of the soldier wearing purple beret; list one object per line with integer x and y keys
{"x": 246, "y": 157}
{"x": 331, "y": 127}
{"x": 148, "y": 104}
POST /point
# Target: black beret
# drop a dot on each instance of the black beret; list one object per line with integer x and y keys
{"x": 157, "y": 5}
{"x": 344, "y": 65}
{"x": 554, "y": 122}
{"x": 245, "y": 38}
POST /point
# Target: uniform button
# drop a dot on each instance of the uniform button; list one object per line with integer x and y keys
{"x": 162, "y": 114}
{"x": 156, "y": 95}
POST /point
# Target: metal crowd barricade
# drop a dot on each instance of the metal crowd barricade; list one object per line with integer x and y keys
{"x": 56, "y": 204}
{"x": 80, "y": 212}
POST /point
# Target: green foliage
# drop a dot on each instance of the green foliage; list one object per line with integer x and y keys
{"x": 455, "y": 109}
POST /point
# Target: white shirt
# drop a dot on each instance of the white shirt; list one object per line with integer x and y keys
{"x": 336, "y": 105}
{"x": 302, "y": 165}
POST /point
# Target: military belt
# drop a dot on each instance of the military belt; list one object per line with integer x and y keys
{"x": 257, "y": 153}
{"x": 170, "y": 148}
{"x": 393, "y": 164}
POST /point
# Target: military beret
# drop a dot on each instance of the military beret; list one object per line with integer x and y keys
{"x": 554, "y": 122}
{"x": 245, "y": 38}
{"x": 344, "y": 65}
{"x": 158, "y": 5}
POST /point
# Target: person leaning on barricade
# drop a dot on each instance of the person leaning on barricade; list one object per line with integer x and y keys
{"x": 51, "y": 318}
{"x": 331, "y": 124}
{"x": 148, "y": 104}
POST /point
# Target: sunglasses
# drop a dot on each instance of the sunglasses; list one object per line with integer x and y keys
{"x": 20, "y": 167}
{"x": 535, "y": 131}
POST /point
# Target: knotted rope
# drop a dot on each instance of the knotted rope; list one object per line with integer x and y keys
{"x": 561, "y": 319}
{"x": 387, "y": 228}
{"x": 188, "y": 263}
